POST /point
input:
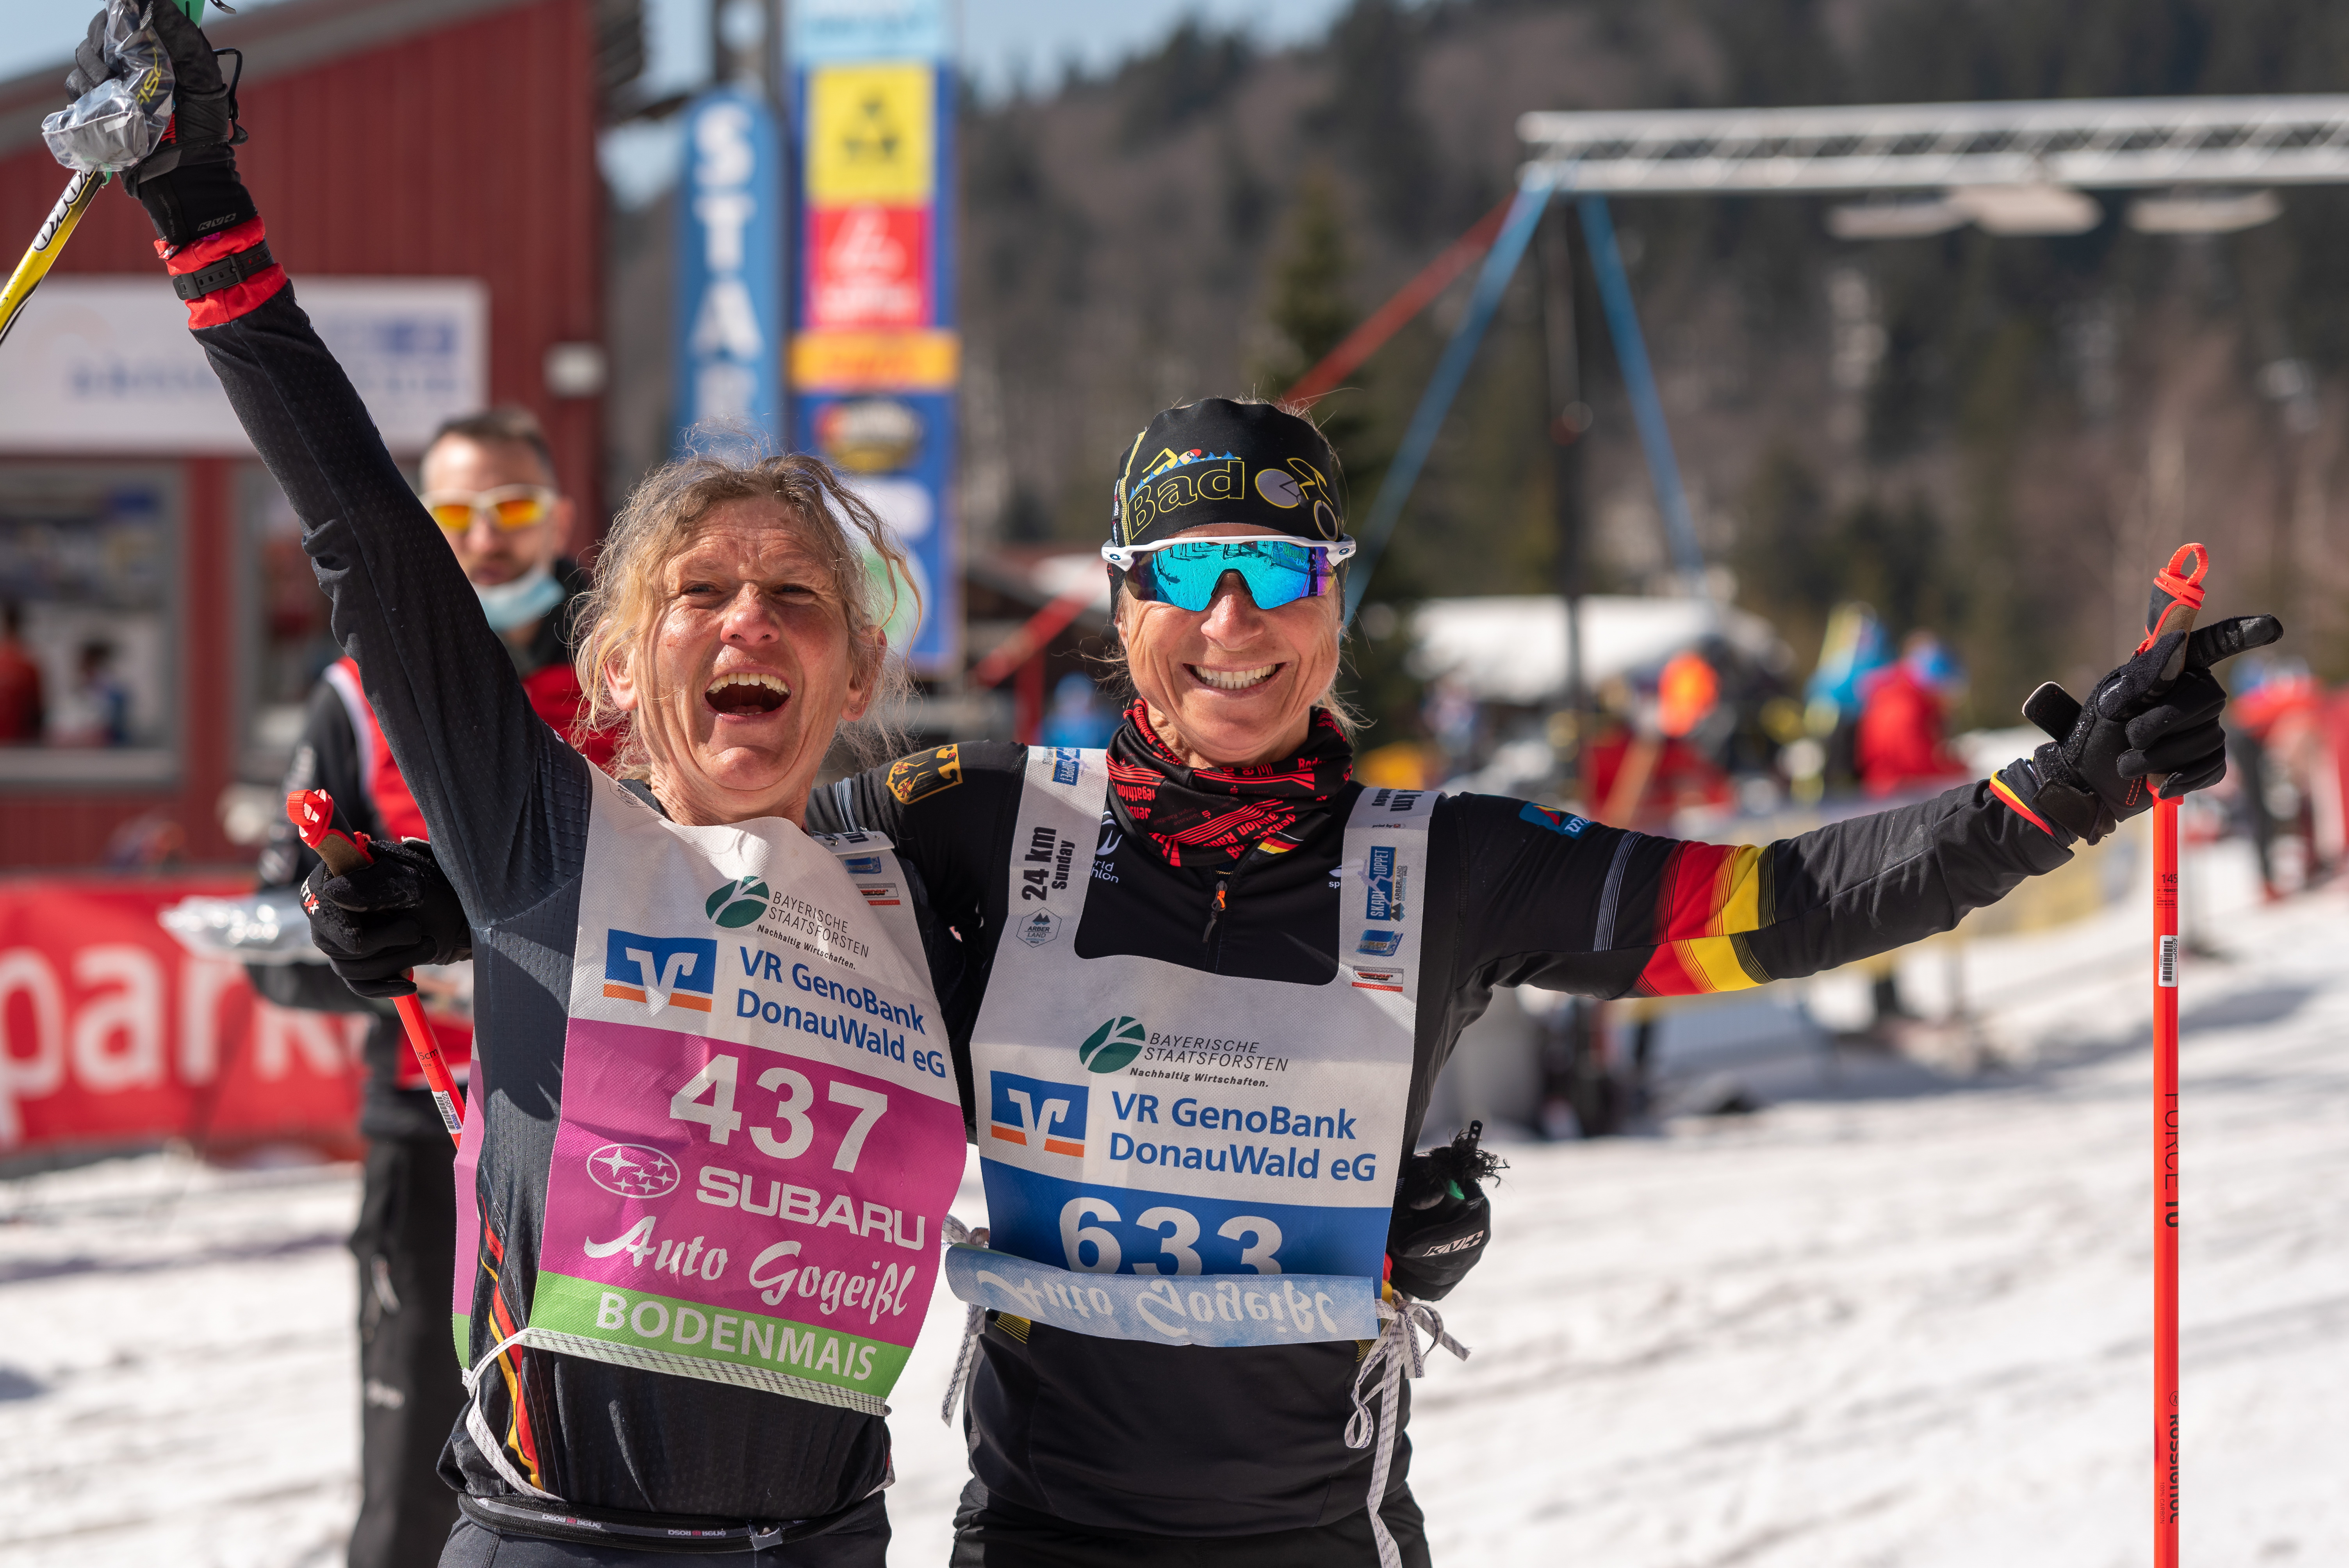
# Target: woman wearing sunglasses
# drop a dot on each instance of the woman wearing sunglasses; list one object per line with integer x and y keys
{"x": 1209, "y": 981}
{"x": 1220, "y": 977}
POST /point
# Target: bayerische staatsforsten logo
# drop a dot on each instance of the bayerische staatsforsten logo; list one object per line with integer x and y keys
{"x": 1114, "y": 1043}
{"x": 737, "y": 903}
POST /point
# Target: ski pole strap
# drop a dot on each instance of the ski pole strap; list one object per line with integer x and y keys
{"x": 1393, "y": 1356}
{"x": 974, "y": 1323}
{"x": 2177, "y": 594}
{"x": 477, "y": 1425}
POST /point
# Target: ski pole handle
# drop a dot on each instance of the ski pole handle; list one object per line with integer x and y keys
{"x": 2177, "y": 600}
{"x": 312, "y": 812}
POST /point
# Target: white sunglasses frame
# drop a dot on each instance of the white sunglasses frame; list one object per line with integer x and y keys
{"x": 1124, "y": 556}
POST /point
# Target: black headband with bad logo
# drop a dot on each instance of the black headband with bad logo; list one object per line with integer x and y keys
{"x": 1220, "y": 461}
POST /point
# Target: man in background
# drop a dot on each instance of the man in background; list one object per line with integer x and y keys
{"x": 489, "y": 480}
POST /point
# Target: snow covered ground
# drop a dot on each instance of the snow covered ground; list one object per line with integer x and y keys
{"x": 1900, "y": 1317}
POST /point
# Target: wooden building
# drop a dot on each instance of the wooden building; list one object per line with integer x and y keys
{"x": 428, "y": 173}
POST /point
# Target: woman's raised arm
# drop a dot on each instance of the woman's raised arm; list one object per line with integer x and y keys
{"x": 505, "y": 796}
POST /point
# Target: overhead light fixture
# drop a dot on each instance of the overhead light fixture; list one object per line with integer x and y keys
{"x": 2028, "y": 209}
{"x": 2204, "y": 212}
{"x": 1893, "y": 220}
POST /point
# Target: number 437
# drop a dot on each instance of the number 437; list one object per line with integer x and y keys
{"x": 795, "y": 1130}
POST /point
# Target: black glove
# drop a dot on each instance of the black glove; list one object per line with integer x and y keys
{"x": 188, "y": 184}
{"x": 2094, "y": 775}
{"x": 383, "y": 920}
{"x": 1442, "y": 1220}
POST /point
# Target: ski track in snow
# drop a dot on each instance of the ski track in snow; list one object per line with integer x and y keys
{"x": 1904, "y": 1319}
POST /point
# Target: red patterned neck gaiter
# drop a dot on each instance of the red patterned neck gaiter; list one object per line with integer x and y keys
{"x": 1212, "y": 816}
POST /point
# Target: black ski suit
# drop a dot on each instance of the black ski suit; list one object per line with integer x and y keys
{"x": 1109, "y": 1451}
{"x": 507, "y": 801}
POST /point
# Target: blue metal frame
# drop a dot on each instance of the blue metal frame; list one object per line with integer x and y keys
{"x": 1460, "y": 353}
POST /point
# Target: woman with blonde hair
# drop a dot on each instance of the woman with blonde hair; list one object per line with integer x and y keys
{"x": 713, "y": 1128}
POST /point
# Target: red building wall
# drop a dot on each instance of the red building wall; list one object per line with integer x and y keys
{"x": 467, "y": 151}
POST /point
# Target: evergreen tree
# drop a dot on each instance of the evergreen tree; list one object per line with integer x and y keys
{"x": 1309, "y": 314}
{"x": 1373, "y": 53}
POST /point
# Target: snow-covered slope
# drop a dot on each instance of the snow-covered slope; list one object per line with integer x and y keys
{"x": 1901, "y": 1317}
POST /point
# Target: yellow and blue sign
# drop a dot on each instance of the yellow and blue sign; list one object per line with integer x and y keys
{"x": 874, "y": 354}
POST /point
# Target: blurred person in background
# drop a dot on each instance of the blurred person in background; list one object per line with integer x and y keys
{"x": 95, "y": 709}
{"x": 21, "y": 709}
{"x": 1852, "y": 649}
{"x": 2289, "y": 777}
{"x": 1902, "y": 741}
{"x": 489, "y": 482}
{"x": 1656, "y": 749}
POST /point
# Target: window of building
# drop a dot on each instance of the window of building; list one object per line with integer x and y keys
{"x": 90, "y": 689}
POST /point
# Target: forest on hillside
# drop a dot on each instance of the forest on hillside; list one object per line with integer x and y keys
{"x": 1993, "y": 437}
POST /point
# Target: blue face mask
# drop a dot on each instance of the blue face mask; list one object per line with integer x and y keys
{"x": 522, "y": 601}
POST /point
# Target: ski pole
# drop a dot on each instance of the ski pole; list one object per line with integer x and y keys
{"x": 59, "y": 226}
{"x": 312, "y": 812}
{"x": 2177, "y": 599}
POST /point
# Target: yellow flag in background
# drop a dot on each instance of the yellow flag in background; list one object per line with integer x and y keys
{"x": 872, "y": 133}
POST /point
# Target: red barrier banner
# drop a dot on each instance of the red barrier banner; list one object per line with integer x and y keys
{"x": 110, "y": 1032}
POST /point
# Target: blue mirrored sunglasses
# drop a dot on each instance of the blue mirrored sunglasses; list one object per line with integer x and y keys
{"x": 1277, "y": 568}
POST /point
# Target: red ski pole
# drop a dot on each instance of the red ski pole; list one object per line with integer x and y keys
{"x": 2177, "y": 599}
{"x": 312, "y": 812}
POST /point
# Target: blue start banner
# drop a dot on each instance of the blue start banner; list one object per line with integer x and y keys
{"x": 730, "y": 299}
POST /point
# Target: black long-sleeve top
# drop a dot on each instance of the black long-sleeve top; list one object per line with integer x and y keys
{"x": 1182, "y": 1441}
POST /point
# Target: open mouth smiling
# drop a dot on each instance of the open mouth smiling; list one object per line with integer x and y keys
{"x": 745, "y": 694}
{"x": 1233, "y": 680}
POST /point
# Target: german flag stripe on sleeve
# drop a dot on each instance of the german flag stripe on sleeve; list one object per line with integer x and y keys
{"x": 1708, "y": 898}
{"x": 1712, "y": 890}
{"x": 1698, "y": 965}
